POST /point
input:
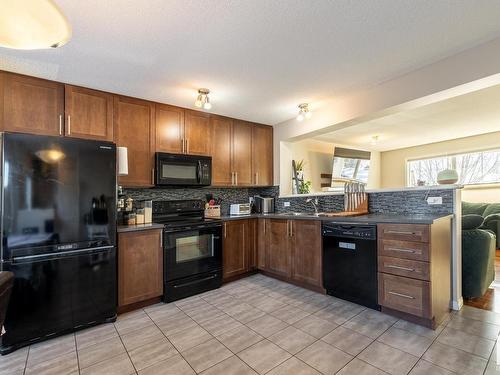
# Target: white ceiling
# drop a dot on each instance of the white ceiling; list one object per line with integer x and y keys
{"x": 463, "y": 116}
{"x": 260, "y": 58}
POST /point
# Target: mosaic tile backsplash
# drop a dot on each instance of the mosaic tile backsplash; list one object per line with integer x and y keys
{"x": 401, "y": 202}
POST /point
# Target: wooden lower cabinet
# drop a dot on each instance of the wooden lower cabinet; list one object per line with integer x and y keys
{"x": 414, "y": 265}
{"x": 291, "y": 250}
{"x": 140, "y": 266}
{"x": 238, "y": 247}
{"x": 307, "y": 252}
{"x": 278, "y": 248}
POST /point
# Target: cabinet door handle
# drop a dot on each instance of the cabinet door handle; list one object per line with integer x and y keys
{"x": 60, "y": 124}
{"x": 187, "y": 145}
{"x": 153, "y": 176}
{"x": 291, "y": 228}
{"x": 402, "y": 295}
{"x": 401, "y": 250}
{"x": 401, "y": 232}
{"x": 256, "y": 178}
{"x": 182, "y": 145}
{"x": 236, "y": 178}
{"x": 400, "y": 268}
{"x": 225, "y": 230}
{"x": 69, "y": 125}
{"x": 265, "y": 225}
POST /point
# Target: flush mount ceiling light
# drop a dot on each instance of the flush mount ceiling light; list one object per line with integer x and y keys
{"x": 304, "y": 112}
{"x": 32, "y": 24}
{"x": 374, "y": 140}
{"x": 203, "y": 101}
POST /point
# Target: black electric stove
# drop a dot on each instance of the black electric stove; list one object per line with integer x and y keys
{"x": 192, "y": 248}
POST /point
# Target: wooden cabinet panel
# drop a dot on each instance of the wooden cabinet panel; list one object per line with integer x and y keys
{"x": 140, "y": 266}
{"x": 404, "y": 232}
{"x": 197, "y": 133}
{"x": 307, "y": 252}
{"x": 404, "y": 267}
{"x": 32, "y": 105}
{"x": 221, "y": 150}
{"x": 89, "y": 113}
{"x": 404, "y": 249}
{"x": 242, "y": 152}
{"x": 262, "y": 144}
{"x": 252, "y": 241}
{"x": 261, "y": 244}
{"x": 134, "y": 126}
{"x": 235, "y": 248}
{"x": 278, "y": 251}
{"x": 404, "y": 294}
{"x": 169, "y": 129}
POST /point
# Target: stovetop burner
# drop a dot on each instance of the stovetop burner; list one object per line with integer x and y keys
{"x": 181, "y": 213}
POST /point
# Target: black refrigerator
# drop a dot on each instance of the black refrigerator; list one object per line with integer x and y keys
{"x": 58, "y": 227}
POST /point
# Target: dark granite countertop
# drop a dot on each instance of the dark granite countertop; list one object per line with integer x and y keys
{"x": 370, "y": 218}
{"x": 132, "y": 228}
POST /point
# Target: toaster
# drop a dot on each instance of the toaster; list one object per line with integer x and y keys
{"x": 264, "y": 205}
{"x": 240, "y": 209}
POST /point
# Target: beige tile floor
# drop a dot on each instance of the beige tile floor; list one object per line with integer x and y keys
{"x": 261, "y": 325}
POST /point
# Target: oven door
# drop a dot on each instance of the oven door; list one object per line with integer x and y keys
{"x": 178, "y": 170}
{"x": 192, "y": 250}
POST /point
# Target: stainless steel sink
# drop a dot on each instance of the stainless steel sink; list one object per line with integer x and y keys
{"x": 297, "y": 214}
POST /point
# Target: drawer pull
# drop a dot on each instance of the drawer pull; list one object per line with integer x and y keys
{"x": 401, "y": 268}
{"x": 402, "y": 295}
{"x": 401, "y": 232}
{"x": 401, "y": 250}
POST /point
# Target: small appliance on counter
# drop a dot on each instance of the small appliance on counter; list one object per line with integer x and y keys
{"x": 240, "y": 209}
{"x": 263, "y": 205}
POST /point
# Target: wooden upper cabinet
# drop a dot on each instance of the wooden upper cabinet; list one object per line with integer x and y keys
{"x": 221, "y": 150}
{"x": 140, "y": 266}
{"x": 262, "y": 153}
{"x": 306, "y": 252}
{"x": 134, "y": 127}
{"x": 169, "y": 129}
{"x": 242, "y": 152}
{"x": 197, "y": 133}
{"x": 89, "y": 113}
{"x": 278, "y": 250}
{"x": 31, "y": 105}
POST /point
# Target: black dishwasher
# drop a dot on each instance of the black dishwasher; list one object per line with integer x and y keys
{"x": 350, "y": 262}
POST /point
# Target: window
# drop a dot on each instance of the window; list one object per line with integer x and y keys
{"x": 350, "y": 165}
{"x": 473, "y": 168}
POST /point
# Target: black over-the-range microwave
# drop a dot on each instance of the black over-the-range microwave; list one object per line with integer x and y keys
{"x": 182, "y": 170}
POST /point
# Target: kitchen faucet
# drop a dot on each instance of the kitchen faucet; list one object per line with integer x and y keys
{"x": 314, "y": 202}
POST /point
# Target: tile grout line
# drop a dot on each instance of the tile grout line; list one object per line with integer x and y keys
{"x": 26, "y": 361}
{"x": 126, "y": 350}
{"x": 77, "y": 357}
{"x": 163, "y": 333}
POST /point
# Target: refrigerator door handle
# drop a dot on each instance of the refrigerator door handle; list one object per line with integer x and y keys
{"x": 88, "y": 250}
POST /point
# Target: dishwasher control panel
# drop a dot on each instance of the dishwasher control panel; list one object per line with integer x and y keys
{"x": 367, "y": 232}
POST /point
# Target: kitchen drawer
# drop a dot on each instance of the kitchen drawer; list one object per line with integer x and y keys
{"x": 404, "y": 294}
{"x": 404, "y": 267}
{"x": 404, "y": 232}
{"x": 404, "y": 249}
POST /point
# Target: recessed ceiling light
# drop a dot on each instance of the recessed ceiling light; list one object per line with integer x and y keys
{"x": 32, "y": 24}
{"x": 202, "y": 100}
{"x": 304, "y": 112}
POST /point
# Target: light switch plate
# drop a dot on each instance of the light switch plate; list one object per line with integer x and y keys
{"x": 435, "y": 200}
{"x": 286, "y": 204}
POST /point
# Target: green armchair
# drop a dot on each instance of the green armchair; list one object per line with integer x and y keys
{"x": 491, "y": 214}
{"x": 478, "y": 257}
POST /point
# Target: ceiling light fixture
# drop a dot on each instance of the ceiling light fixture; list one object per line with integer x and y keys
{"x": 374, "y": 140}
{"x": 32, "y": 24}
{"x": 203, "y": 101}
{"x": 304, "y": 112}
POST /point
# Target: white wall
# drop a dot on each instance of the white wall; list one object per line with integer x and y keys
{"x": 465, "y": 72}
{"x": 318, "y": 157}
{"x": 393, "y": 163}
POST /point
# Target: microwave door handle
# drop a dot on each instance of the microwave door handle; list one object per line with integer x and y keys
{"x": 198, "y": 172}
